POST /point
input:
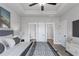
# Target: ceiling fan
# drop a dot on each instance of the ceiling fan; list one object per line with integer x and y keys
{"x": 42, "y": 5}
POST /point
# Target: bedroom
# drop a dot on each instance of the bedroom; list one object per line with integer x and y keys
{"x": 27, "y": 25}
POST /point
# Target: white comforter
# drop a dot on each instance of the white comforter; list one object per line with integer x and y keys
{"x": 16, "y": 50}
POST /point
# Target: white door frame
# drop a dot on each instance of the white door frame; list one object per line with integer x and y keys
{"x": 52, "y": 31}
{"x": 45, "y": 30}
{"x": 29, "y": 34}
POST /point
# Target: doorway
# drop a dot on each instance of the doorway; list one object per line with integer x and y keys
{"x": 40, "y": 32}
{"x": 50, "y": 31}
{"x": 32, "y": 32}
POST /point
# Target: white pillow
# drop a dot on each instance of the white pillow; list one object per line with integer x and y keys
{"x": 3, "y": 44}
{"x": 7, "y": 42}
{"x": 10, "y": 41}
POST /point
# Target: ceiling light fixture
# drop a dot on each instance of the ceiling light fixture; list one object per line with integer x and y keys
{"x": 42, "y": 3}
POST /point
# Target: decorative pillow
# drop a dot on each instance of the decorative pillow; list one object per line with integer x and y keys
{"x": 5, "y": 43}
{"x": 2, "y": 48}
{"x": 17, "y": 40}
{"x": 8, "y": 41}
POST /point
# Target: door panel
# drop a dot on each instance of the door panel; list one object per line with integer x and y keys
{"x": 32, "y": 31}
{"x": 41, "y": 32}
{"x": 50, "y": 31}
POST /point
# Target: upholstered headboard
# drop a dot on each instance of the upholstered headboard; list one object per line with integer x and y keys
{"x": 6, "y": 32}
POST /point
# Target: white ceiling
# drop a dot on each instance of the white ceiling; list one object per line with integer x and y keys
{"x": 23, "y": 9}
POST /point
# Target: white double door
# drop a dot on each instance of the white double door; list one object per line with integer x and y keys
{"x": 40, "y": 31}
{"x": 37, "y": 31}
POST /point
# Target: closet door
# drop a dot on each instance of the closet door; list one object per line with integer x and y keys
{"x": 41, "y": 32}
{"x": 32, "y": 31}
{"x": 50, "y": 31}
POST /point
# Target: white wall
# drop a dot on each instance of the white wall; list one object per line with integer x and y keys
{"x": 15, "y": 23}
{"x": 60, "y": 32}
{"x": 71, "y": 45}
{"x": 15, "y": 19}
{"x": 50, "y": 31}
{"x": 34, "y": 19}
{"x": 23, "y": 26}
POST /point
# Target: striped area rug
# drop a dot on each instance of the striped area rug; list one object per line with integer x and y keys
{"x": 42, "y": 49}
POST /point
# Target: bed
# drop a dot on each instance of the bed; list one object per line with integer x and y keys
{"x": 16, "y": 50}
{"x": 10, "y": 46}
